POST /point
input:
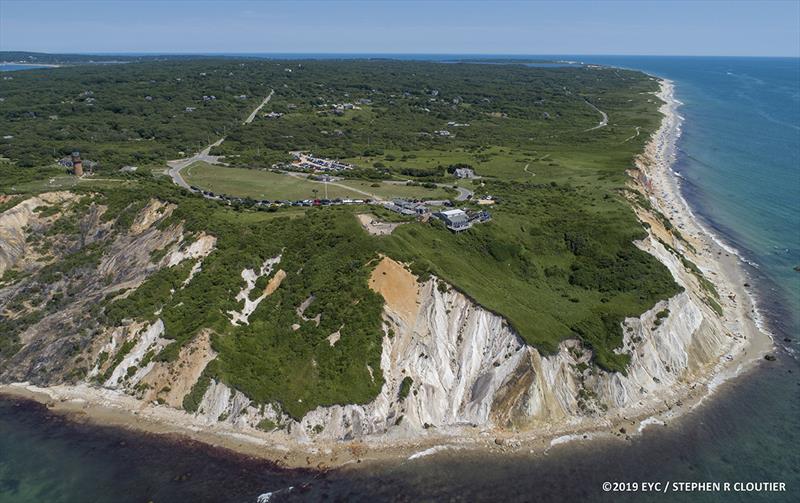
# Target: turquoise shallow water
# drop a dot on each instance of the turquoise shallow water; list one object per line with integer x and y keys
{"x": 739, "y": 156}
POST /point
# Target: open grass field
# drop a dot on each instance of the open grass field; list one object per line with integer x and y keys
{"x": 259, "y": 184}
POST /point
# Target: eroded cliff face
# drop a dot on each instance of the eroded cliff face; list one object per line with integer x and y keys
{"x": 468, "y": 369}
{"x": 448, "y": 364}
{"x": 15, "y": 225}
{"x": 57, "y": 316}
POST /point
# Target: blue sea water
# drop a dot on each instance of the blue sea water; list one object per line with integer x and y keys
{"x": 13, "y": 67}
{"x": 739, "y": 156}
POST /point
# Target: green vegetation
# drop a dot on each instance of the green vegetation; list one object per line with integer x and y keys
{"x": 267, "y": 425}
{"x": 405, "y": 387}
{"x": 123, "y": 114}
{"x": 557, "y": 260}
{"x": 257, "y": 184}
{"x": 262, "y": 184}
{"x": 191, "y": 402}
{"x": 327, "y": 256}
{"x": 661, "y": 316}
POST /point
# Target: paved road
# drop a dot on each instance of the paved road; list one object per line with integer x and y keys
{"x": 463, "y": 194}
{"x": 255, "y": 112}
{"x": 177, "y": 165}
{"x": 603, "y": 121}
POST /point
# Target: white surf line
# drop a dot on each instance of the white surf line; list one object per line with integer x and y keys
{"x": 603, "y": 121}
{"x": 650, "y": 421}
{"x": 267, "y": 497}
{"x": 432, "y": 450}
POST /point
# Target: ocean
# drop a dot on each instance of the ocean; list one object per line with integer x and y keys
{"x": 13, "y": 67}
{"x": 739, "y": 158}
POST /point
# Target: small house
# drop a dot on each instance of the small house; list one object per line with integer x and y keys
{"x": 464, "y": 173}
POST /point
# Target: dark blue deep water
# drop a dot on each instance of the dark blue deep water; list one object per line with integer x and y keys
{"x": 740, "y": 159}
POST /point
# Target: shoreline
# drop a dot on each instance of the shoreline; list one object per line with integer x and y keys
{"x": 102, "y": 406}
{"x": 670, "y": 185}
{"x": 33, "y": 65}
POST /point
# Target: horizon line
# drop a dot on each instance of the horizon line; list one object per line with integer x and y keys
{"x": 396, "y": 53}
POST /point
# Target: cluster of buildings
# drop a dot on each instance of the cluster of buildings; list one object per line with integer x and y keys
{"x": 341, "y": 107}
{"x": 455, "y": 219}
{"x": 307, "y": 161}
{"x": 413, "y": 208}
{"x": 344, "y": 106}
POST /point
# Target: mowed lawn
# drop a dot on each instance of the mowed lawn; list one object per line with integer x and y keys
{"x": 258, "y": 184}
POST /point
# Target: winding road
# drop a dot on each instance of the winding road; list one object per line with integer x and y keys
{"x": 177, "y": 165}
{"x": 463, "y": 194}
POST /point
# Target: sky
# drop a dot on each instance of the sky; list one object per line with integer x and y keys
{"x": 724, "y": 28}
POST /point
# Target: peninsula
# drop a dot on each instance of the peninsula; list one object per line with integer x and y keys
{"x": 327, "y": 261}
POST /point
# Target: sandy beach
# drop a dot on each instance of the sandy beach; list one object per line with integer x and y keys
{"x": 719, "y": 263}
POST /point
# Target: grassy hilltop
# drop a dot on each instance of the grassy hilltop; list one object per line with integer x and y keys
{"x": 557, "y": 260}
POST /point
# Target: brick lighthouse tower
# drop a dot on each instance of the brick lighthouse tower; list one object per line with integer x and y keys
{"x": 77, "y": 164}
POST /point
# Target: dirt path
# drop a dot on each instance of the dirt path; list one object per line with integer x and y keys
{"x": 340, "y": 185}
{"x": 603, "y": 121}
{"x": 632, "y": 136}
{"x": 371, "y": 224}
{"x": 525, "y": 169}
